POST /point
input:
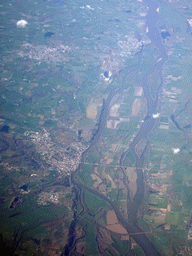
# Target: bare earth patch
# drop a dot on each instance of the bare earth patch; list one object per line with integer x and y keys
{"x": 105, "y": 242}
{"x": 138, "y": 91}
{"x": 160, "y": 218}
{"x": 92, "y": 108}
{"x": 114, "y": 110}
{"x": 109, "y": 161}
{"x": 113, "y": 225}
{"x": 113, "y": 185}
{"x": 136, "y": 107}
{"x": 132, "y": 176}
{"x": 97, "y": 180}
{"x": 92, "y": 111}
{"x": 111, "y": 218}
{"x": 168, "y": 207}
{"x": 112, "y": 124}
{"x": 117, "y": 228}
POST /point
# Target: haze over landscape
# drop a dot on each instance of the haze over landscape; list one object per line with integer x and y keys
{"x": 95, "y": 127}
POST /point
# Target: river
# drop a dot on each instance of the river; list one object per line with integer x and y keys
{"x": 149, "y": 123}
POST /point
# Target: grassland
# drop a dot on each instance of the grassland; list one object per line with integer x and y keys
{"x": 91, "y": 248}
{"x": 94, "y": 202}
{"x": 85, "y": 176}
{"x": 158, "y": 202}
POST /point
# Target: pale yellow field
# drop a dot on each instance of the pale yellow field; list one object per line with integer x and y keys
{"x": 136, "y": 107}
{"x": 92, "y": 111}
{"x": 92, "y": 108}
{"x": 111, "y": 180}
{"x": 132, "y": 176}
{"x": 114, "y": 110}
{"x": 112, "y": 124}
{"x": 113, "y": 225}
{"x": 96, "y": 179}
{"x": 138, "y": 91}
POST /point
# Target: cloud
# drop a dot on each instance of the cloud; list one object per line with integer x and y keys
{"x": 89, "y": 7}
{"x": 175, "y": 150}
{"x": 157, "y": 115}
{"x": 22, "y": 23}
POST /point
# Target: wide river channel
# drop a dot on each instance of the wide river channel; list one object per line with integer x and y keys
{"x": 131, "y": 226}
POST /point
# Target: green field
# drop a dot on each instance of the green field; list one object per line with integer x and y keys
{"x": 94, "y": 202}
{"x": 92, "y": 157}
{"x": 158, "y": 202}
{"x": 128, "y": 127}
{"x": 172, "y": 218}
{"x": 91, "y": 244}
{"x": 85, "y": 176}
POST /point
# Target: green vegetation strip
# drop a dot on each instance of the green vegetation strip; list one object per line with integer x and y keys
{"x": 158, "y": 202}
{"x": 94, "y": 202}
